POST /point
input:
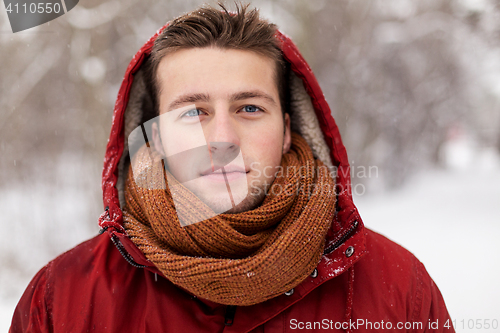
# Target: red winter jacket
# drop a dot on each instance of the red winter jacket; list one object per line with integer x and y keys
{"x": 364, "y": 282}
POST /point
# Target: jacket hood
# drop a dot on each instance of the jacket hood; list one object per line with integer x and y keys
{"x": 310, "y": 116}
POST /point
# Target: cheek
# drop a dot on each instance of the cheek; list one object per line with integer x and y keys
{"x": 267, "y": 148}
{"x": 177, "y": 139}
{"x": 174, "y": 142}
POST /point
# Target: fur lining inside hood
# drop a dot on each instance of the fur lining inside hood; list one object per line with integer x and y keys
{"x": 310, "y": 116}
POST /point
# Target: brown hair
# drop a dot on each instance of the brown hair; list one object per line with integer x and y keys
{"x": 208, "y": 26}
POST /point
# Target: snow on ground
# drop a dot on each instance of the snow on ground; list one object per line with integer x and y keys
{"x": 450, "y": 220}
{"x": 38, "y": 226}
{"x": 6, "y": 310}
{"x": 40, "y": 220}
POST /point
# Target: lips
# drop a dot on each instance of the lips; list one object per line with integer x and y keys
{"x": 227, "y": 169}
{"x": 231, "y": 172}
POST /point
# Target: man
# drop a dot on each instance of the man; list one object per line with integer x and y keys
{"x": 228, "y": 204}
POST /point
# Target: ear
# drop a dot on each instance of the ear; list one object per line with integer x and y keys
{"x": 287, "y": 139}
{"x": 157, "y": 139}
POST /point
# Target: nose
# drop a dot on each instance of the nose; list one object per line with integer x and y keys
{"x": 223, "y": 153}
{"x": 222, "y": 138}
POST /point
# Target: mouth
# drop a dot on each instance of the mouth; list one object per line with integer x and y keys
{"x": 226, "y": 173}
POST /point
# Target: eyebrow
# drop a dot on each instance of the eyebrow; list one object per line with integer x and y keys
{"x": 193, "y": 98}
{"x": 188, "y": 99}
{"x": 252, "y": 94}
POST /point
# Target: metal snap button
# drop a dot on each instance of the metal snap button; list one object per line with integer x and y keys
{"x": 290, "y": 292}
{"x": 350, "y": 251}
{"x": 314, "y": 273}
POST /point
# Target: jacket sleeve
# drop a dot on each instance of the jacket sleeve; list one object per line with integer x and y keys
{"x": 430, "y": 310}
{"x": 32, "y": 313}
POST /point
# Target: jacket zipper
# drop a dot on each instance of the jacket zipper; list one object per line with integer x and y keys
{"x": 124, "y": 252}
{"x": 342, "y": 239}
{"x": 229, "y": 315}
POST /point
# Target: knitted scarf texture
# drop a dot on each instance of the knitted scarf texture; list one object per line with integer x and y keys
{"x": 243, "y": 258}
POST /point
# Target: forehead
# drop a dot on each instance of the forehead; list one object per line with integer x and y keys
{"x": 216, "y": 71}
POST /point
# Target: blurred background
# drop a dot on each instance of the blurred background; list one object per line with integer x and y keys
{"x": 413, "y": 85}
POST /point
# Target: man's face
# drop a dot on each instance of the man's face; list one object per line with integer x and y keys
{"x": 228, "y": 101}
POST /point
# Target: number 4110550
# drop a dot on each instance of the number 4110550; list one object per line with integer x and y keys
{"x": 472, "y": 324}
{"x": 33, "y": 8}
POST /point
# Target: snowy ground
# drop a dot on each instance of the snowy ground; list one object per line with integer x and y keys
{"x": 41, "y": 220}
{"x": 451, "y": 222}
{"x": 449, "y": 219}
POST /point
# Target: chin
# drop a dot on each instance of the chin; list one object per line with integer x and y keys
{"x": 251, "y": 201}
{"x": 218, "y": 200}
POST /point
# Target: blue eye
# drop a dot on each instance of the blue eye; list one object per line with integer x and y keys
{"x": 192, "y": 113}
{"x": 250, "y": 108}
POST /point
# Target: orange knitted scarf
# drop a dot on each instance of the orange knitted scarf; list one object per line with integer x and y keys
{"x": 244, "y": 258}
